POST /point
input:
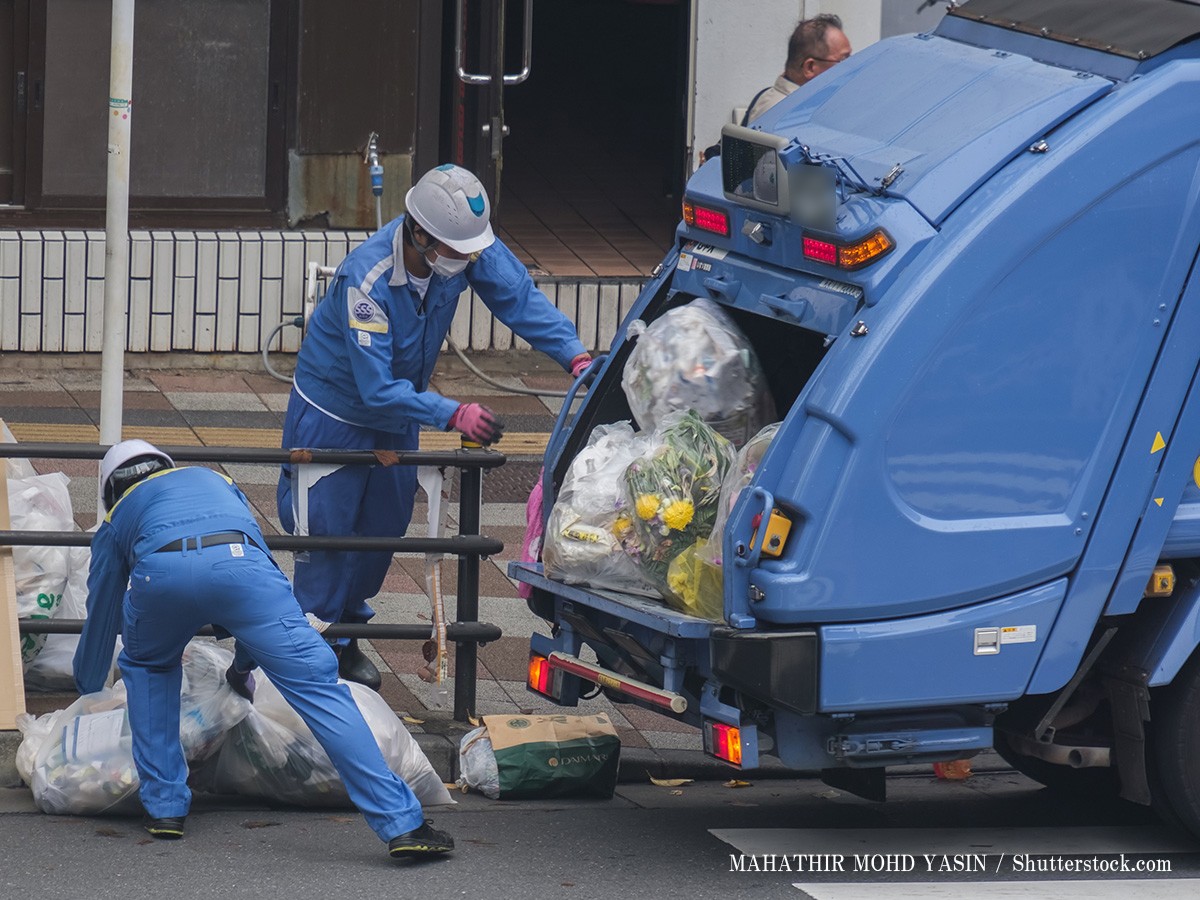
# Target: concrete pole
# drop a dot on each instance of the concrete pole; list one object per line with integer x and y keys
{"x": 116, "y": 227}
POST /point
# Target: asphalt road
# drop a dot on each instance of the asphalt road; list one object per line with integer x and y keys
{"x": 695, "y": 840}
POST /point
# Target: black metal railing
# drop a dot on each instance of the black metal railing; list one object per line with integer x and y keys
{"x": 468, "y": 545}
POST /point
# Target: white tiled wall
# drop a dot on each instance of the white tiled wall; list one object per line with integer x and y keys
{"x": 224, "y": 292}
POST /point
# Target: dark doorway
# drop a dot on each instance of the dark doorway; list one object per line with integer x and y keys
{"x": 592, "y": 170}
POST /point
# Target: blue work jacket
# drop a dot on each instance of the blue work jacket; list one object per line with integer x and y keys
{"x": 164, "y": 507}
{"x": 372, "y": 342}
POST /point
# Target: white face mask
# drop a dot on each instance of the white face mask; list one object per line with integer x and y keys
{"x": 447, "y": 268}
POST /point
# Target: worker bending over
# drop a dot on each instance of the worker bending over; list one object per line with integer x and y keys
{"x": 187, "y": 545}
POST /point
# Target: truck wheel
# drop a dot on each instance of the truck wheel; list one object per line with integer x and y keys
{"x": 1176, "y": 725}
{"x": 1093, "y": 782}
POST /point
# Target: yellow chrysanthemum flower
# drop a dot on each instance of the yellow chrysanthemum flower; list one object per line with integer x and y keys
{"x": 647, "y": 506}
{"x": 678, "y": 515}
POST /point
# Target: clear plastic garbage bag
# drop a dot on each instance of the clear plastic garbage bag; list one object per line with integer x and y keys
{"x": 673, "y": 491}
{"x": 53, "y": 668}
{"x": 695, "y": 357}
{"x": 271, "y": 754}
{"x": 739, "y": 477}
{"x": 477, "y": 763}
{"x": 39, "y": 503}
{"x": 82, "y": 759}
{"x": 79, "y": 760}
{"x": 209, "y": 707}
{"x": 591, "y": 518}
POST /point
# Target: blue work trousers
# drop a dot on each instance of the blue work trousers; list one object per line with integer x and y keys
{"x": 171, "y": 595}
{"x": 360, "y": 501}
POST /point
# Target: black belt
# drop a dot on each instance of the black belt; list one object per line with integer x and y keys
{"x": 208, "y": 540}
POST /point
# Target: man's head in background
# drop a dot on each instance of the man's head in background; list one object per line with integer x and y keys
{"x": 817, "y": 44}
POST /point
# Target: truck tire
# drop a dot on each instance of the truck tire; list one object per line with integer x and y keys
{"x": 1093, "y": 783}
{"x": 1176, "y": 725}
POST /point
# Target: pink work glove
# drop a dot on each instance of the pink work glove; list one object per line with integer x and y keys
{"x": 579, "y": 363}
{"x": 477, "y": 423}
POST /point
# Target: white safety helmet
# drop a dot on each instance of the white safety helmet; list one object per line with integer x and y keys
{"x": 127, "y": 463}
{"x": 451, "y": 204}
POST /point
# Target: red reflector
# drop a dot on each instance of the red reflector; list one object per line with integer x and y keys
{"x": 712, "y": 220}
{"x": 821, "y": 251}
{"x": 540, "y": 674}
{"x": 726, "y": 742}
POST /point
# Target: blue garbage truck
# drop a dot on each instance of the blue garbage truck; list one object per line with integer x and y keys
{"x": 967, "y": 260}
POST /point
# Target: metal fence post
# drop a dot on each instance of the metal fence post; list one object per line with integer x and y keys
{"x": 466, "y": 655}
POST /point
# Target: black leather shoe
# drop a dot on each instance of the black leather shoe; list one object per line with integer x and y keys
{"x": 423, "y": 841}
{"x": 169, "y": 829}
{"x": 353, "y": 665}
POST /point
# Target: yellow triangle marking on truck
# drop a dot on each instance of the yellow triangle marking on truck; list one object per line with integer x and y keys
{"x": 1159, "y": 443}
{"x": 1159, "y": 500}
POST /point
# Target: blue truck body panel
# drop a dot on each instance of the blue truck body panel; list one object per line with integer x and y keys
{"x": 854, "y": 655}
{"x": 994, "y": 425}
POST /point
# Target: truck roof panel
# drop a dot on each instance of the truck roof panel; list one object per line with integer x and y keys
{"x": 948, "y": 114}
{"x": 1138, "y": 29}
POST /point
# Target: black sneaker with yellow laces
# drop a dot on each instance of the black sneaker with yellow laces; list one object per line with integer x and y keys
{"x": 169, "y": 829}
{"x": 423, "y": 841}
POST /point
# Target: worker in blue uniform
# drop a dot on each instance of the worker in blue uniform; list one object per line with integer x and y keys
{"x": 187, "y": 545}
{"x": 362, "y": 376}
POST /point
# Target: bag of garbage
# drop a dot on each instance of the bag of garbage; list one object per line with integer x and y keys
{"x": 39, "y": 503}
{"x": 695, "y": 357}
{"x": 79, "y": 760}
{"x": 271, "y": 754}
{"x": 83, "y": 759}
{"x": 53, "y": 668}
{"x": 592, "y": 517}
{"x": 209, "y": 707}
{"x": 674, "y": 491}
{"x": 477, "y": 763}
{"x": 709, "y": 553}
{"x": 532, "y": 757}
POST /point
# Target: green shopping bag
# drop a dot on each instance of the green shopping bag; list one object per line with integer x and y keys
{"x": 554, "y": 756}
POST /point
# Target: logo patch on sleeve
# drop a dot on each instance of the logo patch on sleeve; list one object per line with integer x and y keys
{"x": 364, "y": 338}
{"x": 365, "y": 314}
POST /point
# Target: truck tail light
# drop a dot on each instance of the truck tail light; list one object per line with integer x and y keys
{"x": 821, "y": 251}
{"x": 848, "y": 256}
{"x": 706, "y": 218}
{"x": 862, "y": 252}
{"x": 543, "y": 678}
{"x": 723, "y": 741}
